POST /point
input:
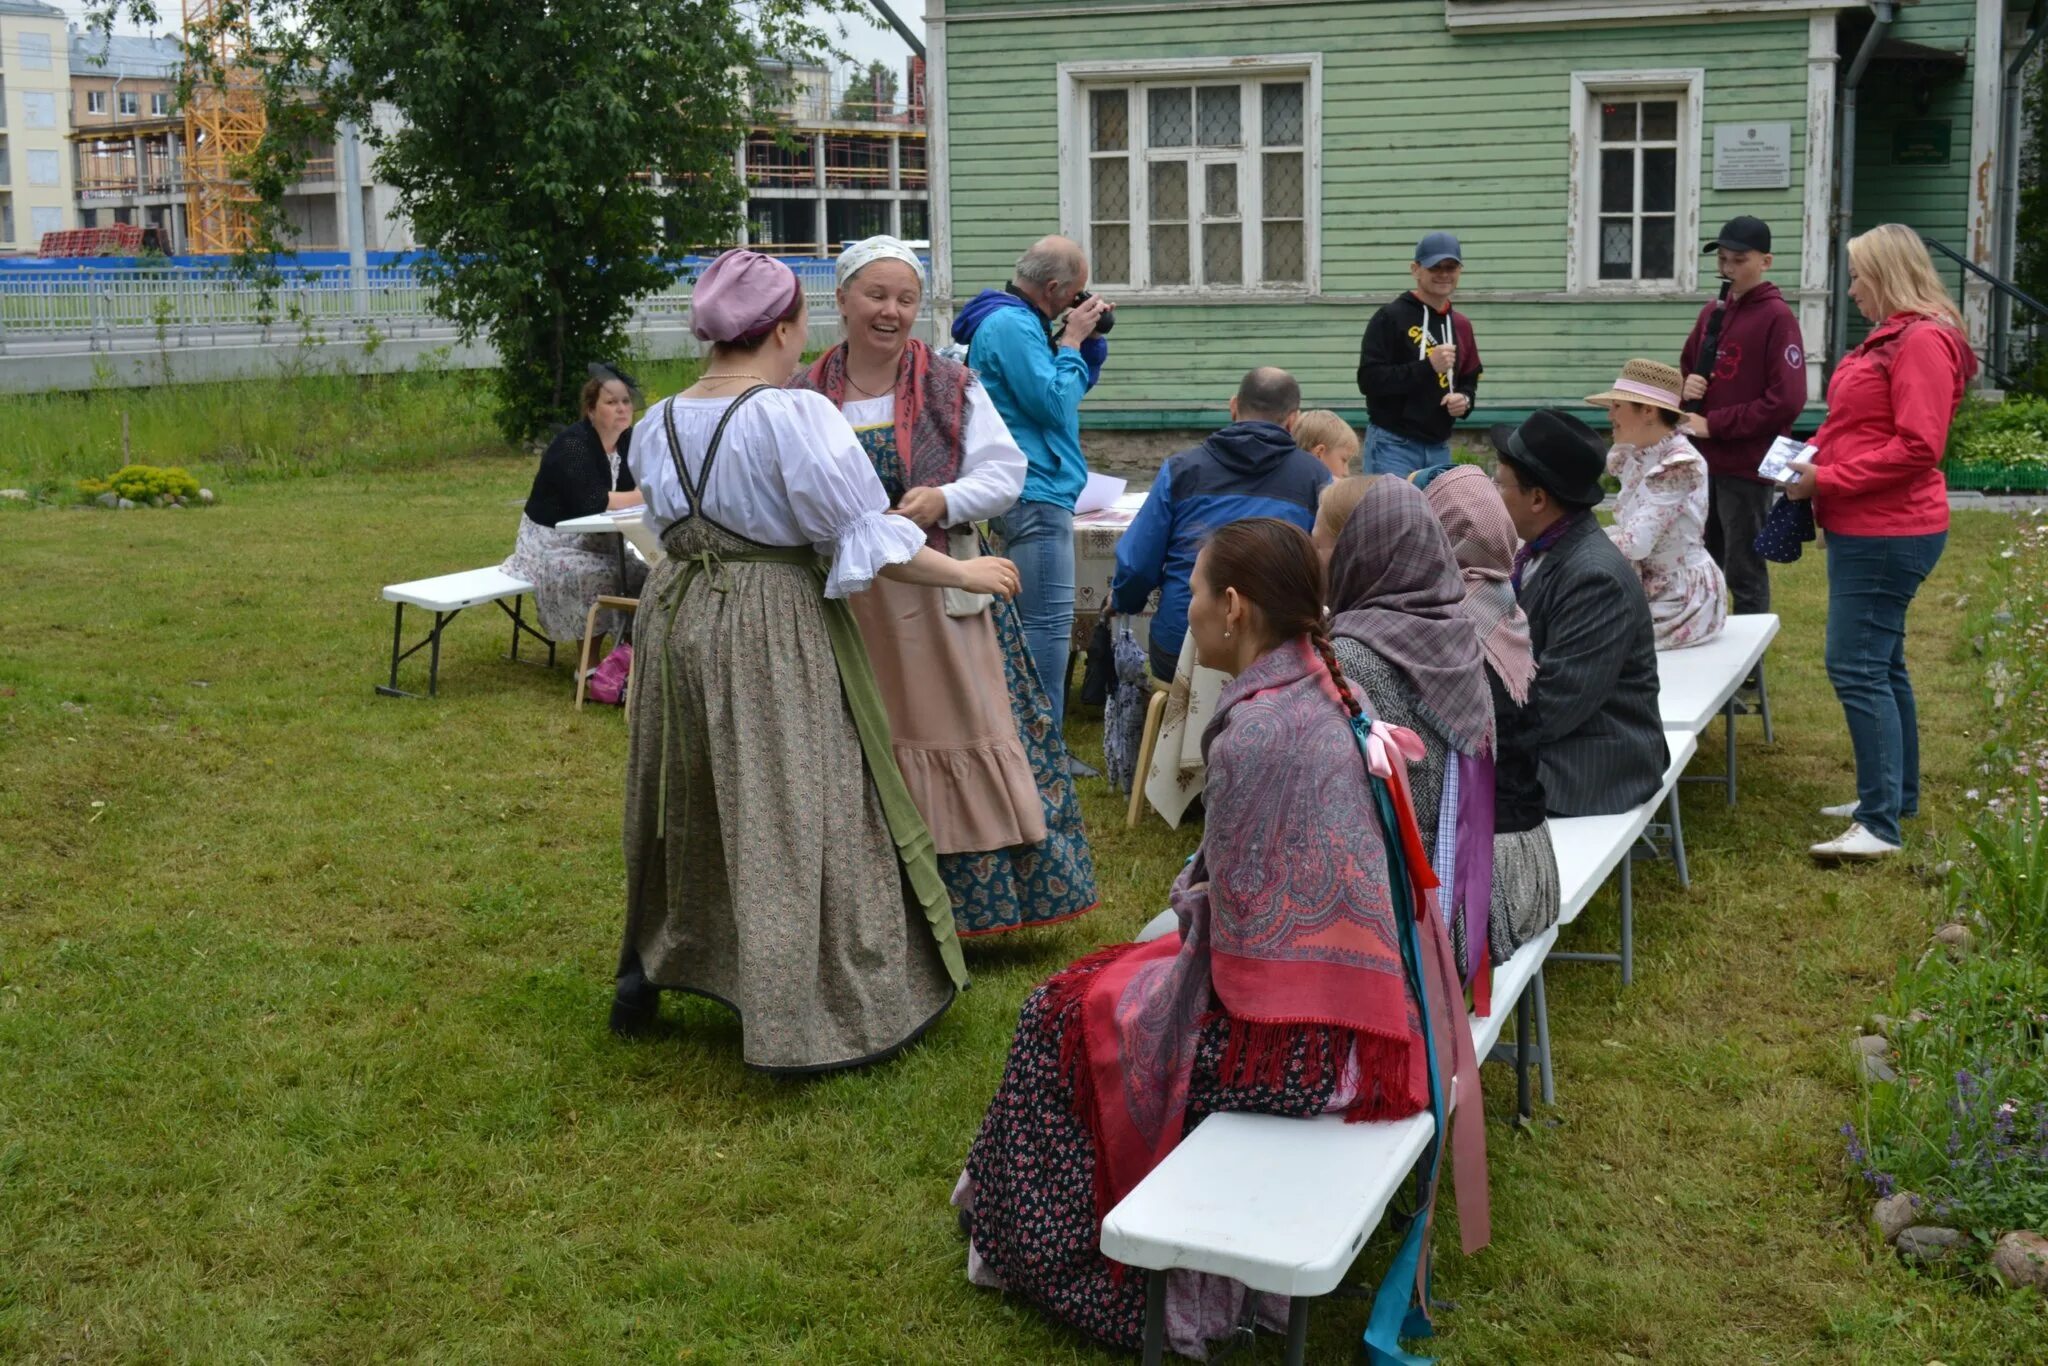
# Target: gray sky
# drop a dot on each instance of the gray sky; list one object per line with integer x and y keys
{"x": 867, "y": 38}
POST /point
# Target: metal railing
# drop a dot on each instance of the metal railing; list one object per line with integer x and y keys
{"x": 2014, "y": 343}
{"x": 184, "y": 306}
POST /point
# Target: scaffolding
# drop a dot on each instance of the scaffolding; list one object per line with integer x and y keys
{"x": 223, "y": 124}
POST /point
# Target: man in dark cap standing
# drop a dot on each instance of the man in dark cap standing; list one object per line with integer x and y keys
{"x": 1418, "y": 366}
{"x": 1594, "y": 697}
{"x": 1745, "y": 383}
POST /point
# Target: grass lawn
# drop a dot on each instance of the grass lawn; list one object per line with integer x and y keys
{"x": 303, "y": 992}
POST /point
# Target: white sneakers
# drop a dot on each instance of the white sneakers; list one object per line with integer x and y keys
{"x": 1846, "y": 811}
{"x": 1853, "y": 845}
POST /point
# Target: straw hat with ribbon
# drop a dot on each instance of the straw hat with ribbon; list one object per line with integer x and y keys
{"x": 1649, "y": 382}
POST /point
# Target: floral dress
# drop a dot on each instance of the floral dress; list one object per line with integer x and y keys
{"x": 1660, "y": 524}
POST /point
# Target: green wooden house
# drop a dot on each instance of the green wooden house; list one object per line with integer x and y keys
{"x": 1249, "y": 177}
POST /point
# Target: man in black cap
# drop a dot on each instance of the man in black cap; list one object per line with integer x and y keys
{"x": 1594, "y": 698}
{"x": 1745, "y": 369}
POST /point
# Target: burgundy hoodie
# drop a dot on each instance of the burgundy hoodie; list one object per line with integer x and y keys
{"x": 1759, "y": 380}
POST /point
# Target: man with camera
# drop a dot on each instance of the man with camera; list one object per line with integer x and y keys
{"x": 1038, "y": 345}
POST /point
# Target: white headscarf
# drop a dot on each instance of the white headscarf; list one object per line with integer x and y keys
{"x": 879, "y": 248}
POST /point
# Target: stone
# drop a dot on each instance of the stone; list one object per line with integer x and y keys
{"x": 1925, "y": 1244}
{"x": 156, "y": 500}
{"x": 1873, "y": 1045}
{"x": 1894, "y": 1214}
{"x": 1874, "y": 1068}
{"x": 176, "y": 504}
{"x": 1955, "y": 937}
{"x": 206, "y": 496}
{"x": 108, "y": 500}
{"x": 124, "y": 505}
{"x": 1881, "y": 1024}
{"x": 15, "y": 495}
{"x": 2021, "y": 1261}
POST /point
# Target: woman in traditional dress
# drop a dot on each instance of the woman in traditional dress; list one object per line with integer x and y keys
{"x": 1660, "y": 515}
{"x": 769, "y": 840}
{"x": 584, "y": 470}
{"x": 1402, "y": 634}
{"x": 1293, "y": 987}
{"x": 972, "y": 724}
{"x": 1525, "y": 886}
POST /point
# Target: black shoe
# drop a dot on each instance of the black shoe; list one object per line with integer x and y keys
{"x": 635, "y": 1009}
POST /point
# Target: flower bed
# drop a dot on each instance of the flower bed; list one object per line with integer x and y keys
{"x": 1953, "y": 1138}
{"x": 1999, "y": 447}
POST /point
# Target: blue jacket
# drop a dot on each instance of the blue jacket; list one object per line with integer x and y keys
{"x": 1037, "y": 389}
{"x": 1248, "y": 469}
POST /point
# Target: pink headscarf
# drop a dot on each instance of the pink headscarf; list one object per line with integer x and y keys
{"x": 1483, "y": 540}
{"x": 740, "y": 296}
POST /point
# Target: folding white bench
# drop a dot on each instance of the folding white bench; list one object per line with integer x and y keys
{"x": 1588, "y": 848}
{"x": 446, "y": 597}
{"x": 1695, "y": 685}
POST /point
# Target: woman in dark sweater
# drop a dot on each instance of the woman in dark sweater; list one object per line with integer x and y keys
{"x": 584, "y": 471}
{"x": 1525, "y": 887}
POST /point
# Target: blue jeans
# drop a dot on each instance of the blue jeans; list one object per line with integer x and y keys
{"x": 1871, "y": 582}
{"x": 1039, "y": 539}
{"x": 1386, "y": 453}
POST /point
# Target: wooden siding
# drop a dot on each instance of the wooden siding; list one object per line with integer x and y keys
{"x": 1422, "y": 129}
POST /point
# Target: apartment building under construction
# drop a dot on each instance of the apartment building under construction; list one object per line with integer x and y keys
{"x": 838, "y": 159}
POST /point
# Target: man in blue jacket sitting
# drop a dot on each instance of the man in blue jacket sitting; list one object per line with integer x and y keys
{"x": 1252, "y": 468}
{"x": 1038, "y": 346}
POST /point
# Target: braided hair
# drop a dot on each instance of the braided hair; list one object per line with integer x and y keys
{"x": 1273, "y": 565}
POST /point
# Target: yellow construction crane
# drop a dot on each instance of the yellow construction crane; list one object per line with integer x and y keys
{"x": 222, "y": 128}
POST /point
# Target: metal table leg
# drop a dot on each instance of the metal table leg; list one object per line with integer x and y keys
{"x": 1155, "y": 1318}
{"x": 1297, "y": 1330}
{"x": 1728, "y": 722}
{"x": 1763, "y": 705}
{"x": 1628, "y": 922}
{"x": 1543, "y": 1041}
{"x": 1524, "y": 1026}
{"x": 1678, "y": 842}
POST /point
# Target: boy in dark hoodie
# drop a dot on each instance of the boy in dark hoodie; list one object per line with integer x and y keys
{"x": 1418, "y": 366}
{"x": 1748, "y": 396}
{"x": 1252, "y": 468}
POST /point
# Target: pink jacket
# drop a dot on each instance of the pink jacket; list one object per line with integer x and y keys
{"x": 1889, "y": 409}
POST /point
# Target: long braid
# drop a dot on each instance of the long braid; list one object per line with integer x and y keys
{"x": 1320, "y": 638}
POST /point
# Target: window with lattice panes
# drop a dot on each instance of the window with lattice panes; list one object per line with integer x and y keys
{"x": 1197, "y": 183}
{"x": 1636, "y": 173}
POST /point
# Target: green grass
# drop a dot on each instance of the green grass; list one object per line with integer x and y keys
{"x": 302, "y": 999}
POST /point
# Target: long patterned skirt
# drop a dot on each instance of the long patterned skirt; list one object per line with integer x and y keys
{"x": 760, "y": 870}
{"x": 1028, "y": 1192}
{"x": 1036, "y": 884}
{"x": 569, "y": 572}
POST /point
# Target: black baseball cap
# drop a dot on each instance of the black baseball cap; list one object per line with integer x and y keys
{"x": 1743, "y": 234}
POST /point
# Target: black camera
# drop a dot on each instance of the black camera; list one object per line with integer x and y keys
{"x": 1058, "y": 325}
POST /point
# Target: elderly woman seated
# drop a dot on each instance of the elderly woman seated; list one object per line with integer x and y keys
{"x": 584, "y": 471}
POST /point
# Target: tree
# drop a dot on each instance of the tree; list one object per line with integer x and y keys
{"x": 539, "y": 146}
{"x": 870, "y": 93}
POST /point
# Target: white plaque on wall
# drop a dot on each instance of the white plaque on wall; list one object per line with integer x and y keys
{"x": 1752, "y": 156}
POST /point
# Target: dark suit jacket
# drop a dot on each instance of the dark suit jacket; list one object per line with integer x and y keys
{"x": 1596, "y": 733}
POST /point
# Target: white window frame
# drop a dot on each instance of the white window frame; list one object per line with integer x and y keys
{"x": 159, "y": 104}
{"x": 129, "y": 104}
{"x": 1077, "y": 79}
{"x": 95, "y": 101}
{"x": 32, "y": 99}
{"x": 1582, "y": 266}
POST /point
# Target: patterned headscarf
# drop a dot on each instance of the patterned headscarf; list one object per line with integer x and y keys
{"x": 1394, "y": 589}
{"x": 1483, "y": 541}
{"x": 931, "y": 413}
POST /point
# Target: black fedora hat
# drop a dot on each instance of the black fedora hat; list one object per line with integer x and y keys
{"x": 1558, "y": 453}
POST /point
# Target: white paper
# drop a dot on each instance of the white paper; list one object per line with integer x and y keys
{"x": 1101, "y": 491}
{"x": 1778, "y": 459}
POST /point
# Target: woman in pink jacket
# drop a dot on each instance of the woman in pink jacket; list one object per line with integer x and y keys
{"x": 1878, "y": 493}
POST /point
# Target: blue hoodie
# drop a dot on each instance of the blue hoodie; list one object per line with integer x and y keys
{"x": 1037, "y": 388}
{"x": 1248, "y": 469}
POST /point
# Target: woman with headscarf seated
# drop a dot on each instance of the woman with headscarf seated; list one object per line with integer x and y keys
{"x": 774, "y": 861}
{"x": 1525, "y": 886}
{"x": 584, "y": 471}
{"x": 1401, "y": 632}
{"x": 1297, "y": 985}
{"x": 971, "y": 723}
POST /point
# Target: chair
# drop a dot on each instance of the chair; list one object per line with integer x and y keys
{"x": 604, "y": 600}
{"x": 1155, "y": 717}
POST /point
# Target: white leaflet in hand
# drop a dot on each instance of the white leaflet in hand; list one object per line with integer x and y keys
{"x": 1778, "y": 459}
{"x": 1101, "y": 491}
